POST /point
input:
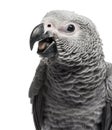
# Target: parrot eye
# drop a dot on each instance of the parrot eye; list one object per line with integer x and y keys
{"x": 49, "y": 25}
{"x": 70, "y": 28}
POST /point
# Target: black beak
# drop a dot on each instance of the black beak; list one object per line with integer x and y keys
{"x": 37, "y": 35}
{"x": 47, "y": 44}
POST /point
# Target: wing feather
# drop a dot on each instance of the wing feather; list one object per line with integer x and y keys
{"x": 36, "y": 95}
{"x": 107, "y": 112}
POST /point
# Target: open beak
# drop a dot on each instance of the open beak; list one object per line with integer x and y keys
{"x": 47, "y": 45}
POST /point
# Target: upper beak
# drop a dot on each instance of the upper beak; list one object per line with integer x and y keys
{"x": 37, "y": 35}
{"x": 47, "y": 45}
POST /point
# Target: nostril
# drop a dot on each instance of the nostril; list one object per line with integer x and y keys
{"x": 49, "y": 25}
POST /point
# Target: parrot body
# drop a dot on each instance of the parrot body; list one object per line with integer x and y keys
{"x": 72, "y": 86}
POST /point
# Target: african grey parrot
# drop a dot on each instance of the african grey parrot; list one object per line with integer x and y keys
{"x": 72, "y": 86}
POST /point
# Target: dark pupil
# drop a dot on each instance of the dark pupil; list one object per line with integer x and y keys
{"x": 71, "y": 28}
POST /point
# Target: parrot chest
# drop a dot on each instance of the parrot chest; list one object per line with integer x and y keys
{"x": 68, "y": 105}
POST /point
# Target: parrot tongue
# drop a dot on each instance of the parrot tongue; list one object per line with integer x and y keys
{"x": 47, "y": 47}
{"x": 44, "y": 44}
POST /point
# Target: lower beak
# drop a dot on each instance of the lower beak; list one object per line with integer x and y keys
{"x": 47, "y": 44}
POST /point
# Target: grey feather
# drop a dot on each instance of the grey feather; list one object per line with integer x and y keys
{"x": 77, "y": 82}
{"x": 38, "y": 80}
{"x": 36, "y": 95}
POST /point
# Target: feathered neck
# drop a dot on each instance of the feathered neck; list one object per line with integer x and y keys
{"x": 88, "y": 75}
{"x": 83, "y": 81}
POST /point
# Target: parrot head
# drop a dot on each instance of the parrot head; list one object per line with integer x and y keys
{"x": 68, "y": 38}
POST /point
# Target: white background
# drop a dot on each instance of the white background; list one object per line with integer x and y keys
{"x": 18, "y": 63}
